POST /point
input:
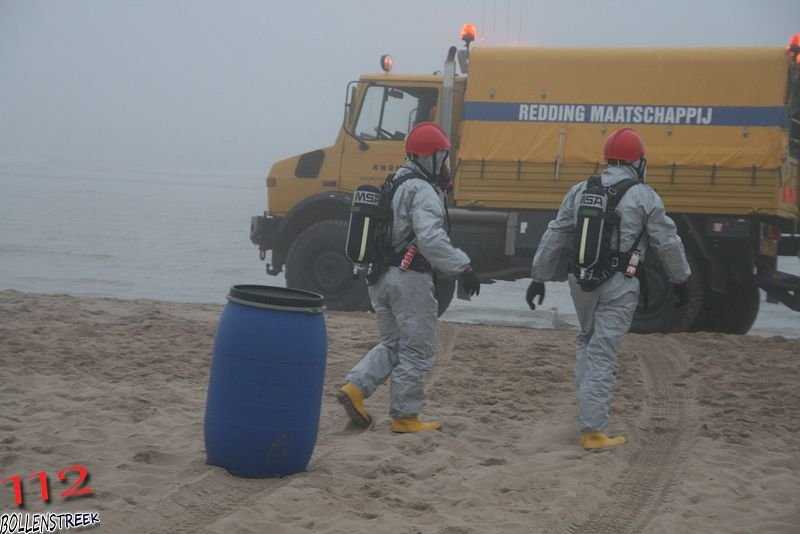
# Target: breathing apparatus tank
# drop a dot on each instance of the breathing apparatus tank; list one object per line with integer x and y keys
{"x": 368, "y": 220}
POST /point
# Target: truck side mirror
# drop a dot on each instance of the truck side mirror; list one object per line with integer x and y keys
{"x": 349, "y": 106}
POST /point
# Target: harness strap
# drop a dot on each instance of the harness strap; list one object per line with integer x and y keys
{"x": 418, "y": 263}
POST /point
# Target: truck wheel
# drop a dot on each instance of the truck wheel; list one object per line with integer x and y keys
{"x": 316, "y": 261}
{"x": 729, "y": 313}
{"x": 445, "y": 289}
{"x": 661, "y": 314}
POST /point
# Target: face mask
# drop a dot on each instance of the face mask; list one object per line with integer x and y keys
{"x": 641, "y": 169}
{"x": 444, "y": 181}
{"x": 439, "y": 160}
{"x": 435, "y": 168}
{"x": 442, "y": 174}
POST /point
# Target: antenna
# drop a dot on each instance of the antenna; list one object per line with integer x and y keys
{"x": 494, "y": 20}
{"x": 508, "y": 22}
{"x": 483, "y": 22}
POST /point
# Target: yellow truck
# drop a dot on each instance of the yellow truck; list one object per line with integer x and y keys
{"x": 721, "y": 130}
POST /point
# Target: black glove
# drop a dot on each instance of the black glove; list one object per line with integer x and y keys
{"x": 682, "y": 292}
{"x": 470, "y": 282}
{"x": 536, "y": 288}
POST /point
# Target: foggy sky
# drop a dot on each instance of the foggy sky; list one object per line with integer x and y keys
{"x": 231, "y": 86}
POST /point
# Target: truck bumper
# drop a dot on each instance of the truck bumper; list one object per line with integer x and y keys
{"x": 264, "y": 231}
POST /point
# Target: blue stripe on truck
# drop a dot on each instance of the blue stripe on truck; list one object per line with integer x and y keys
{"x": 626, "y": 114}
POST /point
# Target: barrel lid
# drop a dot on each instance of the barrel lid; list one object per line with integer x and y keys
{"x": 272, "y": 296}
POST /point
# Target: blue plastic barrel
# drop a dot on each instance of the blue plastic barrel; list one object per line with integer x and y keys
{"x": 265, "y": 388}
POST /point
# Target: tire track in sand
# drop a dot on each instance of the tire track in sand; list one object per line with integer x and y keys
{"x": 644, "y": 488}
{"x": 195, "y": 505}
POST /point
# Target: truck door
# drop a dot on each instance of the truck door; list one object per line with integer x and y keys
{"x": 375, "y": 146}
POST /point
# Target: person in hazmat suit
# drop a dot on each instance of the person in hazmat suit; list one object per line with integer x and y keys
{"x": 404, "y": 294}
{"x": 605, "y": 311}
{"x": 793, "y": 95}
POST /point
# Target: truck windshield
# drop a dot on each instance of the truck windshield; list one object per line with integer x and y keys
{"x": 390, "y": 112}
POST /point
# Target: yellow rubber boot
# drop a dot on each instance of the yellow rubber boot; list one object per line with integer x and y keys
{"x": 351, "y": 397}
{"x": 413, "y": 424}
{"x": 598, "y": 440}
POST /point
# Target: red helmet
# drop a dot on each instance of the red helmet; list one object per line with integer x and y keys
{"x": 426, "y": 138}
{"x": 795, "y": 40}
{"x": 793, "y": 47}
{"x": 624, "y": 145}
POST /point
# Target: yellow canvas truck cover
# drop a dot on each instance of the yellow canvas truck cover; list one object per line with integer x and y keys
{"x": 709, "y": 117}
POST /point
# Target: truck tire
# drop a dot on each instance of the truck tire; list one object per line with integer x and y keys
{"x": 733, "y": 312}
{"x": 316, "y": 261}
{"x": 661, "y": 314}
{"x": 445, "y": 289}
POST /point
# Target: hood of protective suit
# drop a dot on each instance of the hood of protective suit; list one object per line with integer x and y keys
{"x": 617, "y": 173}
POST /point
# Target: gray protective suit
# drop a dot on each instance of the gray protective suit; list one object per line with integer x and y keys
{"x": 405, "y": 303}
{"x": 606, "y": 313}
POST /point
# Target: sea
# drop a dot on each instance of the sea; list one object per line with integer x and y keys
{"x": 96, "y": 230}
{"x": 106, "y": 232}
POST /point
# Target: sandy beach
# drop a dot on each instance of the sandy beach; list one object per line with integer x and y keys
{"x": 119, "y": 387}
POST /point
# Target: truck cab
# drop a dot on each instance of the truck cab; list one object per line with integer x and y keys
{"x": 309, "y": 196}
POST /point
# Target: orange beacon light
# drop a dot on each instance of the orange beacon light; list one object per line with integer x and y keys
{"x": 468, "y": 33}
